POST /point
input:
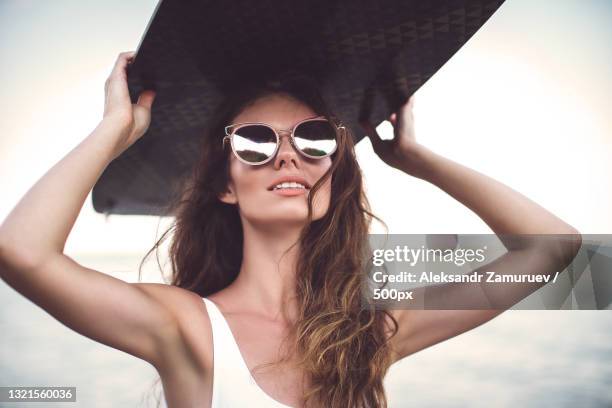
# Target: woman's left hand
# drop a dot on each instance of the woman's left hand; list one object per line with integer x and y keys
{"x": 398, "y": 152}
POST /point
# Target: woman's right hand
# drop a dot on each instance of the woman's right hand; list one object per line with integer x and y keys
{"x": 132, "y": 119}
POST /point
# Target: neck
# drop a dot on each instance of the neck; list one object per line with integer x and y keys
{"x": 266, "y": 281}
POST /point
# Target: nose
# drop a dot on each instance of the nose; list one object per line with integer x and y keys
{"x": 286, "y": 152}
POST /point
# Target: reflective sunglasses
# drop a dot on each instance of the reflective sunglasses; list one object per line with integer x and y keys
{"x": 257, "y": 143}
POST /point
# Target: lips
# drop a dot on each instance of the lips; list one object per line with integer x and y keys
{"x": 296, "y": 179}
{"x": 288, "y": 192}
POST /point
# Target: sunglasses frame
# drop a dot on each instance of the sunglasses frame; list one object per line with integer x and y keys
{"x": 230, "y": 130}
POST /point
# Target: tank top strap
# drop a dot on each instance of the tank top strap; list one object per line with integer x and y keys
{"x": 233, "y": 384}
{"x": 224, "y": 344}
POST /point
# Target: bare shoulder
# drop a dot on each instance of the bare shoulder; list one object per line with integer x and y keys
{"x": 176, "y": 300}
{"x": 186, "y": 306}
{"x": 191, "y": 342}
{"x": 396, "y": 316}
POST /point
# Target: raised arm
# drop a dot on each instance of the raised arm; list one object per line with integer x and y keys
{"x": 505, "y": 210}
{"x": 129, "y": 317}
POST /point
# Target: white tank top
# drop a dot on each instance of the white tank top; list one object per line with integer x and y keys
{"x": 233, "y": 384}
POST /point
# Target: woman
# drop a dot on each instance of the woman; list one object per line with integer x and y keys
{"x": 264, "y": 273}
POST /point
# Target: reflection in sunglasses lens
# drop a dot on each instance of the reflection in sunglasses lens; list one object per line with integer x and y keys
{"x": 254, "y": 143}
{"x": 316, "y": 138}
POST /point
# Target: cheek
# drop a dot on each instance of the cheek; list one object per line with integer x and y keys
{"x": 249, "y": 186}
{"x": 326, "y": 187}
{"x": 245, "y": 184}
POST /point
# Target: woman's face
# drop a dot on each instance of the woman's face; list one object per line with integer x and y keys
{"x": 252, "y": 187}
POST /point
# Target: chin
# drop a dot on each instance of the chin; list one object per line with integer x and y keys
{"x": 283, "y": 213}
{"x": 285, "y": 219}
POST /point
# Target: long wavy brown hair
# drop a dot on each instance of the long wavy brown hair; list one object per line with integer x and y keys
{"x": 341, "y": 343}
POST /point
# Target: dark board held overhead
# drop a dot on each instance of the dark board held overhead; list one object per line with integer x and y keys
{"x": 368, "y": 56}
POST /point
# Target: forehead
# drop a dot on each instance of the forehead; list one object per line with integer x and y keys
{"x": 279, "y": 110}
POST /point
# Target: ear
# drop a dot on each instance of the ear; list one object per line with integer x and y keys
{"x": 228, "y": 196}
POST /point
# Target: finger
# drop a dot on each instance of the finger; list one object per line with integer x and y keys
{"x": 411, "y": 101}
{"x": 393, "y": 119}
{"x": 146, "y": 98}
{"x": 122, "y": 61}
{"x": 405, "y": 112}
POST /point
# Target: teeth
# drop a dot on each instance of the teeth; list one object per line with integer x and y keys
{"x": 289, "y": 185}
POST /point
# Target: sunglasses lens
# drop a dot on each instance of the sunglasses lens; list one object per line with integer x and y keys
{"x": 316, "y": 138}
{"x": 254, "y": 143}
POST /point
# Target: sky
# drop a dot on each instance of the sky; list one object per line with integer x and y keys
{"x": 525, "y": 101}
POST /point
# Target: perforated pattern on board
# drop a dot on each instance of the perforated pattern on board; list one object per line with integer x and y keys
{"x": 368, "y": 56}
